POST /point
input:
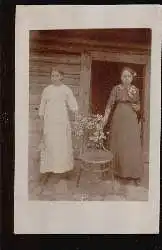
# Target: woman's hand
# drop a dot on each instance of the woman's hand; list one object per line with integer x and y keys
{"x": 103, "y": 122}
{"x": 106, "y": 117}
{"x": 136, "y": 107}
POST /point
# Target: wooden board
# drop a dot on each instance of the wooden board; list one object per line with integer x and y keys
{"x": 35, "y": 69}
{"x": 56, "y": 58}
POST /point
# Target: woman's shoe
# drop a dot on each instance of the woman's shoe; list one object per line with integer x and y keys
{"x": 44, "y": 178}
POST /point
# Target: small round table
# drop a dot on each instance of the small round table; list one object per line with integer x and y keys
{"x": 103, "y": 158}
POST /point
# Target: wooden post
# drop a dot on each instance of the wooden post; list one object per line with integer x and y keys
{"x": 142, "y": 111}
{"x": 146, "y": 123}
{"x": 84, "y": 90}
{"x": 85, "y": 80}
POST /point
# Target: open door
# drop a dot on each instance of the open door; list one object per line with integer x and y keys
{"x": 104, "y": 76}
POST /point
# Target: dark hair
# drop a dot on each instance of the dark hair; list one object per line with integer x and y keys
{"x": 58, "y": 70}
{"x": 130, "y": 70}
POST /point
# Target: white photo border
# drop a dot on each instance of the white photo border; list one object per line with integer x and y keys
{"x": 119, "y": 217}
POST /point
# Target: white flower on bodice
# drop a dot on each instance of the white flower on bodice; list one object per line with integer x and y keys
{"x": 132, "y": 90}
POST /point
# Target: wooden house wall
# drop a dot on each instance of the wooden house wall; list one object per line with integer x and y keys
{"x": 77, "y": 75}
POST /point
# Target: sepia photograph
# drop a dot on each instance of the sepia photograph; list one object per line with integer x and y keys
{"x": 89, "y": 94}
{"x": 87, "y": 119}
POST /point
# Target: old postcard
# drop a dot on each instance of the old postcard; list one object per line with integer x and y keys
{"x": 87, "y": 119}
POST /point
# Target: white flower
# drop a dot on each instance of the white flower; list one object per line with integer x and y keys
{"x": 98, "y": 117}
{"x": 98, "y": 127}
{"x": 91, "y": 138}
{"x": 132, "y": 91}
{"x": 96, "y": 133}
{"x": 92, "y": 124}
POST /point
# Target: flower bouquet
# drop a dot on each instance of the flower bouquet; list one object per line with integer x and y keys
{"x": 91, "y": 130}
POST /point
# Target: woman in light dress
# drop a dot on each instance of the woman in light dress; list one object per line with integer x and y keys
{"x": 125, "y": 142}
{"x": 57, "y": 152}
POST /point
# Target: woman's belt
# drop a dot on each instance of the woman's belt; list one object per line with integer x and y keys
{"x": 125, "y": 102}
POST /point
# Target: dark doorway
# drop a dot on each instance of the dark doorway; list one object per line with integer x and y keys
{"x": 105, "y": 75}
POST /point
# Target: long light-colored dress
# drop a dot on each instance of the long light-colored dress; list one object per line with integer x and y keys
{"x": 125, "y": 141}
{"x": 57, "y": 155}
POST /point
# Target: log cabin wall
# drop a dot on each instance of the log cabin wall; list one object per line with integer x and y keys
{"x": 73, "y": 55}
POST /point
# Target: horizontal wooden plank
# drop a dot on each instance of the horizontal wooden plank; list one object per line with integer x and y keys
{"x": 44, "y": 49}
{"x": 43, "y": 70}
{"x": 71, "y": 82}
{"x": 46, "y": 75}
{"x": 55, "y": 58}
{"x": 118, "y": 57}
{"x": 48, "y": 66}
{"x": 36, "y": 88}
{"x": 34, "y": 99}
{"x": 70, "y": 76}
{"x": 37, "y": 83}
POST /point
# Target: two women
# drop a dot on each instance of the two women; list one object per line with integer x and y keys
{"x": 125, "y": 132}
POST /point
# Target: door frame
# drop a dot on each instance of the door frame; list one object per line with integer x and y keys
{"x": 116, "y": 56}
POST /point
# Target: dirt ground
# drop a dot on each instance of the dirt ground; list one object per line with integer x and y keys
{"x": 91, "y": 186}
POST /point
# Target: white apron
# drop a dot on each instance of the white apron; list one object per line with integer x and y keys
{"x": 57, "y": 154}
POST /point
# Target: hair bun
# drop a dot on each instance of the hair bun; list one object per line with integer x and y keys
{"x": 134, "y": 74}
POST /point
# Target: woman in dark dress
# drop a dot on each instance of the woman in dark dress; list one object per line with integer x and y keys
{"x": 125, "y": 141}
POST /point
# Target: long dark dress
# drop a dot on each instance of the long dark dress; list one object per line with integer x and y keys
{"x": 125, "y": 141}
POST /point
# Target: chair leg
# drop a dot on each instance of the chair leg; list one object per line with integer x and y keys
{"x": 113, "y": 178}
{"x": 103, "y": 173}
{"x": 79, "y": 176}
